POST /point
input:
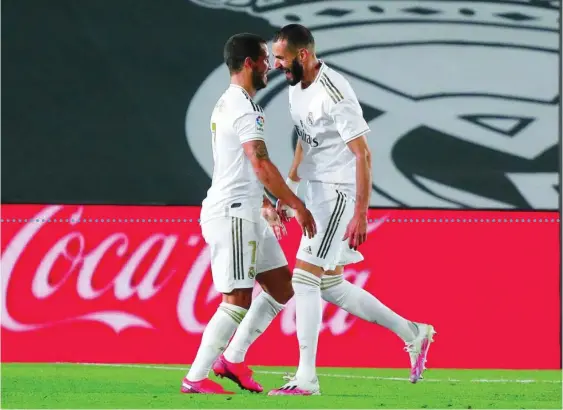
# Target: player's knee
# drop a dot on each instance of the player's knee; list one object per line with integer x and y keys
{"x": 308, "y": 268}
{"x": 332, "y": 290}
{"x": 285, "y": 294}
{"x": 277, "y": 283}
{"x": 239, "y": 297}
{"x": 334, "y": 272}
{"x": 282, "y": 292}
{"x": 305, "y": 282}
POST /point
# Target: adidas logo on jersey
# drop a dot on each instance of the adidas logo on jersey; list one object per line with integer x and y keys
{"x": 308, "y": 250}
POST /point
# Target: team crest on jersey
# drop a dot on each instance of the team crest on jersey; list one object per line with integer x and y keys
{"x": 461, "y": 96}
{"x": 260, "y": 123}
{"x": 251, "y": 272}
{"x": 310, "y": 119}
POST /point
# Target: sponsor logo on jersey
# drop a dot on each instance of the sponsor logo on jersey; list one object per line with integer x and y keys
{"x": 461, "y": 96}
{"x": 305, "y": 136}
{"x": 260, "y": 123}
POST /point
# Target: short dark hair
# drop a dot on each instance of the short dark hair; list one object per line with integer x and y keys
{"x": 240, "y": 46}
{"x": 296, "y": 35}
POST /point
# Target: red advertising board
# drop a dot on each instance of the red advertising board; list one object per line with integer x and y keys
{"x": 132, "y": 285}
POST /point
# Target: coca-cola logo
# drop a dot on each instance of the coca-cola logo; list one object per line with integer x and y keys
{"x": 71, "y": 247}
{"x": 116, "y": 274}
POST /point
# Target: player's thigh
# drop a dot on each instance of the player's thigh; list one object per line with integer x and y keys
{"x": 270, "y": 254}
{"x": 272, "y": 271}
{"x": 233, "y": 243}
{"x": 332, "y": 216}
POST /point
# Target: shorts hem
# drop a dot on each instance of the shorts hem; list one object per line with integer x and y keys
{"x": 232, "y": 289}
{"x": 271, "y": 268}
{"x": 357, "y": 257}
{"x": 314, "y": 260}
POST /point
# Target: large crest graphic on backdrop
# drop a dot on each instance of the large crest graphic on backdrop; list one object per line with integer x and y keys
{"x": 461, "y": 96}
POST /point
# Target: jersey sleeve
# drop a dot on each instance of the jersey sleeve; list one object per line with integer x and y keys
{"x": 250, "y": 126}
{"x": 346, "y": 112}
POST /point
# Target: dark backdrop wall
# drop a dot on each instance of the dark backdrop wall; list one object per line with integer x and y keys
{"x": 107, "y": 101}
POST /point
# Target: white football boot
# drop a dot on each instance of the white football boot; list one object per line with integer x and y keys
{"x": 418, "y": 350}
{"x": 296, "y": 387}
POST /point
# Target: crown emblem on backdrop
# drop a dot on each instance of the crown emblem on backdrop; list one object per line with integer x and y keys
{"x": 317, "y": 14}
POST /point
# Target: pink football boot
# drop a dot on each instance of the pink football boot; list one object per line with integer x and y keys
{"x": 205, "y": 386}
{"x": 240, "y": 373}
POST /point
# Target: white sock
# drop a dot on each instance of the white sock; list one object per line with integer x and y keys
{"x": 364, "y": 305}
{"x": 308, "y": 315}
{"x": 263, "y": 310}
{"x": 215, "y": 338}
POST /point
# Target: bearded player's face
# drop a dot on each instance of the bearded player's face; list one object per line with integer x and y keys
{"x": 288, "y": 62}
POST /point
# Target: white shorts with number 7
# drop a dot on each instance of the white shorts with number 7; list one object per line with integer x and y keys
{"x": 240, "y": 250}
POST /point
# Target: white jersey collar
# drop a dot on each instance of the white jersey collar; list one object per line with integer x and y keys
{"x": 321, "y": 70}
{"x": 241, "y": 88}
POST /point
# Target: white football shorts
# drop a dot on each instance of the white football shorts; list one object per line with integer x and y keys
{"x": 240, "y": 250}
{"x": 332, "y": 206}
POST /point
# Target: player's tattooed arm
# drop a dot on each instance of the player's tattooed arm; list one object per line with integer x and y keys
{"x": 260, "y": 150}
{"x": 268, "y": 173}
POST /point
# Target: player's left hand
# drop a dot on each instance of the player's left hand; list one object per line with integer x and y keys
{"x": 269, "y": 214}
{"x": 284, "y": 211}
{"x": 356, "y": 231}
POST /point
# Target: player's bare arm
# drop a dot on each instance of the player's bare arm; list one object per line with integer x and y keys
{"x": 297, "y": 158}
{"x": 270, "y": 176}
{"x": 267, "y": 172}
{"x": 260, "y": 151}
{"x": 360, "y": 149}
{"x": 356, "y": 231}
{"x": 292, "y": 181}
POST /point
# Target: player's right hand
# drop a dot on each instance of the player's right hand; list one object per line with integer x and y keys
{"x": 306, "y": 220}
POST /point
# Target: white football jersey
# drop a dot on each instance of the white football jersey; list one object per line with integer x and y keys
{"x": 327, "y": 115}
{"x": 235, "y": 188}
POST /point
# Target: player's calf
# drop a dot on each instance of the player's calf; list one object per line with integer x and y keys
{"x": 308, "y": 312}
{"x": 214, "y": 340}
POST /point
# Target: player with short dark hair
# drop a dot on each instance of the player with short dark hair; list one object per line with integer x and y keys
{"x": 240, "y": 47}
{"x": 295, "y": 36}
{"x": 334, "y": 164}
{"x": 236, "y": 223}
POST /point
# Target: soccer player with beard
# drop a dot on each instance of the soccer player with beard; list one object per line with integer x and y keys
{"x": 234, "y": 223}
{"x": 334, "y": 164}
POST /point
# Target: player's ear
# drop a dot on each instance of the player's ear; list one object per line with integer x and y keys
{"x": 303, "y": 53}
{"x": 248, "y": 62}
